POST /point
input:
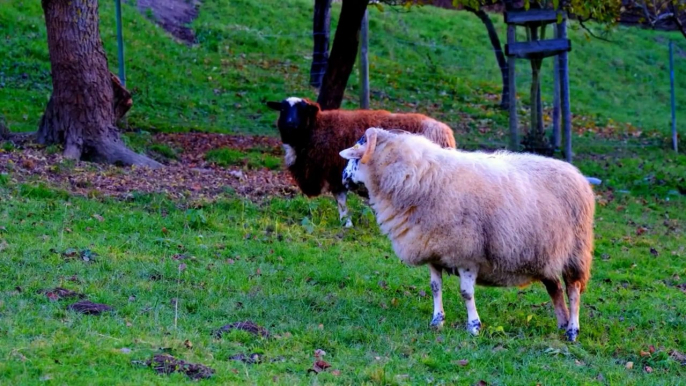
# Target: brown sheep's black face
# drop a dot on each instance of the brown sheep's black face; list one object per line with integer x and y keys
{"x": 295, "y": 116}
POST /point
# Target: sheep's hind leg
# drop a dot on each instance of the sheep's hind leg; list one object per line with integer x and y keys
{"x": 436, "y": 290}
{"x": 343, "y": 209}
{"x": 574, "y": 296}
{"x": 556, "y": 293}
{"x": 467, "y": 284}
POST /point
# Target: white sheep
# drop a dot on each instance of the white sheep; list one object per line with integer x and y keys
{"x": 500, "y": 219}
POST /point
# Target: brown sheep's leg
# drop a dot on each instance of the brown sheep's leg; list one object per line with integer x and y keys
{"x": 436, "y": 291}
{"x": 467, "y": 284}
{"x": 574, "y": 296}
{"x": 343, "y": 209}
{"x": 554, "y": 288}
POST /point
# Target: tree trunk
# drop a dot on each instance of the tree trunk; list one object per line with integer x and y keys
{"x": 321, "y": 28}
{"x": 83, "y": 110}
{"x": 343, "y": 54}
{"x": 499, "y": 55}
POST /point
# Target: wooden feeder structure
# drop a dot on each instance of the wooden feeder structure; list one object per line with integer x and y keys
{"x": 536, "y": 50}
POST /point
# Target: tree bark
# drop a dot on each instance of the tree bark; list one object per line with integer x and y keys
{"x": 321, "y": 28}
{"x": 499, "y": 55}
{"x": 87, "y": 99}
{"x": 343, "y": 54}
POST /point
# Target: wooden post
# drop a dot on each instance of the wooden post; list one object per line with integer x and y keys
{"x": 514, "y": 130}
{"x": 675, "y": 142}
{"x": 364, "y": 61}
{"x": 556, "y": 139}
{"x": 564, "y": 93}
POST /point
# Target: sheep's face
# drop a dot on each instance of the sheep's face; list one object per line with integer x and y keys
{"x": 354, "y": 173}
{"x": 295, "y": 117}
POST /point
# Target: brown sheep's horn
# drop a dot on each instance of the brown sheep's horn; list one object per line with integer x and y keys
{"x": 371, "y": 145}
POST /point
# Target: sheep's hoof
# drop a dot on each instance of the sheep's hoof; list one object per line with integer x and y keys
{"x": 474, "y": 327}
{"x": 572, "y": 334}
{"x": 437, "y": 321}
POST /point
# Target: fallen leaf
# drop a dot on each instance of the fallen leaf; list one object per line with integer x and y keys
{"x": 319, "y": 353}
{"x": 462, "y": 362}
{"x": 188, "y": 343}
{"x": 98, "y": 217}
{"x": 319, "y": 366}
{"x": 648, "y": 369}
{"x": 629, "y": 365}
{"x": 654, "y": 252}
{"x": 336, "y": 372}
{"x": 644, "y": 353}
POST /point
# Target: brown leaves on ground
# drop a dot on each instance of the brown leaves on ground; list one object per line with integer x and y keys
{"x": 58, "y": 293}
{"x": 248, "y": 326}
{"x": 89, "y": 308}
{"x": 320, "y": 364}
{"x": 167, "y": 364}
{"x": 189, "y": 177}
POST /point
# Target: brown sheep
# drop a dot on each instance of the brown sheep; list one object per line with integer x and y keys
{"x": 501, "y": 219}
{"x": 312, "y": 139}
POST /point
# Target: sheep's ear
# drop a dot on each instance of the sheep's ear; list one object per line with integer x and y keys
{"x": 371, "y": 135}
{"x": 312, "y": 107}
{"x": 354, "y": 152}
{"x": 274, "y": 105}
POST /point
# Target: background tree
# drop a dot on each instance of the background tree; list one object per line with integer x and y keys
{"x": 662, "y": 14}
{"x": 343, "y": 54}
{"x": 87, "y": 99}
{"x": 321, "y": 27}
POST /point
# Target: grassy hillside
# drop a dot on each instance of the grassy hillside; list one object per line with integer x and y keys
{"x": 174, "y": 271}
{"x": 430, "y": 60}
{"x": 288, "y": 266}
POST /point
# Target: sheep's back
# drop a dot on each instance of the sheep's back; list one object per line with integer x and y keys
{"x": 513, "y": 214}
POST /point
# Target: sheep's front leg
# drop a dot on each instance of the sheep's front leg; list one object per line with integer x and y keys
{"x": 436, "y": 291}
{"x": 467, "y": 284}
{"x": 343, "y": 209}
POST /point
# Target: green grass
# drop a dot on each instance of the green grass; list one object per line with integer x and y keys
{"x": 429, "y": 59}
{"x": 287, "y": 264}
{"x": 290, "y": 267}
{"x": 253, "y": 158}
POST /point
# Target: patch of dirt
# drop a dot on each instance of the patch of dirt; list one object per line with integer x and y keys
{"x": 60, "y": 293}
{"x": 89, "y": 308}
{"x": 190, "y": 177}
{"x": 248, "y": 326}
{"x": 167, "y": 364}
{"x": 172, "y": 15}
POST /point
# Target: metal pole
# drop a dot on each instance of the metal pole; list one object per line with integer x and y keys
{"x": 364, "y": 61}
{"x": 671, "y": 80}
{"x": 120, "y": 43}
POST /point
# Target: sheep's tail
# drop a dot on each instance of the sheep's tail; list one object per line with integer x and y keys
{"x": 439, "y": 133}
{"x": 578, "y": 266}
